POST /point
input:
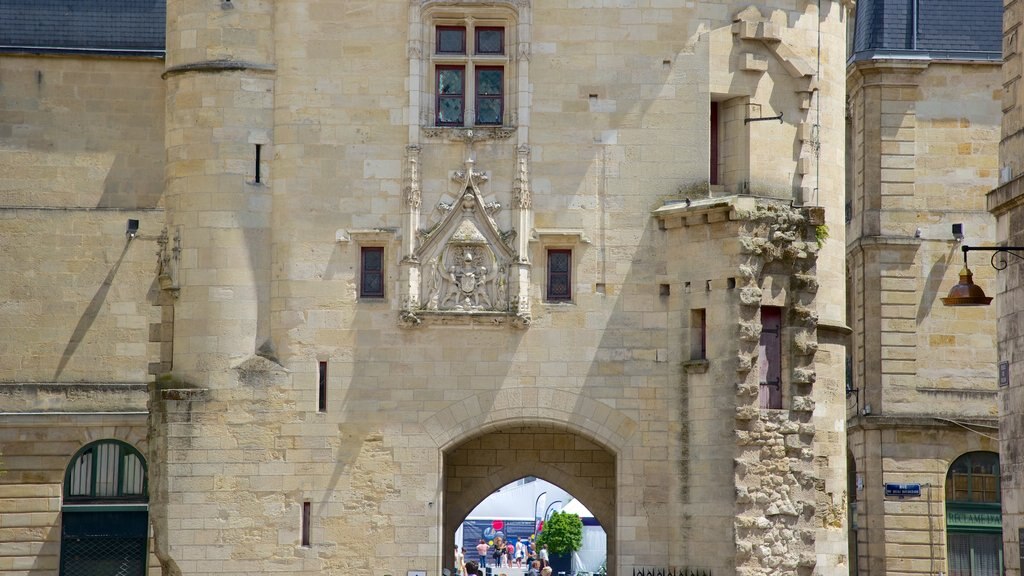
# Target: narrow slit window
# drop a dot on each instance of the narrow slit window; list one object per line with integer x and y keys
{"x": 258, "y": 149}
{"x": 305, "y": 523}
{"x": 322, "y": 387}
{"x": 715, "y": 166}
{"x": 698, "y": 334}
{"x": 371, "y": 282}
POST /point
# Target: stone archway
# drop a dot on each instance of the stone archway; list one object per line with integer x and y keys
{"x": 481, "y": 464}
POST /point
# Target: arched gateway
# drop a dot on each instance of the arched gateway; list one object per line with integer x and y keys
{"x": 476, "y": 466}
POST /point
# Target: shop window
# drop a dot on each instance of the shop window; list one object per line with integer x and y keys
{"x": 973, "y": 516}
{"x": 105, "y": 515}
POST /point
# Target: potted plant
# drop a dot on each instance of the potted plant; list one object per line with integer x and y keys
{"x": 563, "y": 535}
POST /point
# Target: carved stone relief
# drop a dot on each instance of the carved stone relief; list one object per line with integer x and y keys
{"x": 467, "y": 262}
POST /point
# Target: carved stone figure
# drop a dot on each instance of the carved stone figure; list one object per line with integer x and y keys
{"x": 470, "y": 284}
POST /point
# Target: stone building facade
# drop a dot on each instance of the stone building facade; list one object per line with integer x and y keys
{"x": 1005, "y": 202}
{"x": 923, "y": 117}
{"x": 384, "y": 257}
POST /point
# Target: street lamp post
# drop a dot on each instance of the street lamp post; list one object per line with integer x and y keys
{"x": 549, "y": 508}
{"x": 535, "y": 503}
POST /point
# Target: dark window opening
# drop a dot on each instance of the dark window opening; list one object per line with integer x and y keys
{"x": 371, "y": 282}
{"x": 305, "y": 523}
{"x": 490, "y": 82}
{"x": 559, "y": 275}
{"x": 451, "y": 40}
{"x": 322, "y": 387}
{"x": 257, "y": 178}
{"x": 713, "y": 175}
{"x": 698, "y": 334}
{"x": 769, "y": 358}
{"x": 451, "y": 95}
{"x": 490, "y": 40}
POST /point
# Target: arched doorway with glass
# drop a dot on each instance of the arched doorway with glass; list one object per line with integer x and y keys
{"x": 105, "y": 512}
{"x": 973, "y": 516}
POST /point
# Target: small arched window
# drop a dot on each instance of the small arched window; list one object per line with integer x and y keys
{"x": 108, "y": 470}
{"x": 974, "y": 477}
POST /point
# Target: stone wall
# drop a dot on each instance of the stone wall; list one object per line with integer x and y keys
{"x": 36, "y": 450}
{"x": 81, "y": 152}
{"x": 921, "y": 160}
{"x": 609, "y": 120}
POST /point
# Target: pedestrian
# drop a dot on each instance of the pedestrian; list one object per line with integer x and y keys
{"x": 544, "y": 557}
{"x": 534, "y": 568}
{"x": 520, "y": 552}
{"x": 460, "y": 561}
{"x": 545, "y": 571}
{"x": 499, "y": 550}
{"x": 509, "y": 552}
{"x": 481, "y": 551}
{"x": 472, "y": 568}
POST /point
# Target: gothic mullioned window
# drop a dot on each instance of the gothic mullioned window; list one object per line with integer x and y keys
{"x": 470, "y": 64}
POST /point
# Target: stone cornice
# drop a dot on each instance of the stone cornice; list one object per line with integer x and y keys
{"x": 885, "y": 422}
{"x": 214, "y": 66}
{"x": 1006, "y": 197}
{"x": 883, "y": 241}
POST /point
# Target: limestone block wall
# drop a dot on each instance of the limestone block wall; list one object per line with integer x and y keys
{"x": 764, "y": 256}
{"x": 1011, "y": 146}
{"x": 1004, "y": 203}
{"x": 906, "y": 536}
{"x": 36, "y": 450}
{"x": 220, "y": 99}
{"x": 921, "y": 162}
{"x": 82, "y": 153}
{"x": 611, "y": 119}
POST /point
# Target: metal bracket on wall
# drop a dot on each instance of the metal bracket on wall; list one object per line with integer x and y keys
{"x": 763, "y": 118}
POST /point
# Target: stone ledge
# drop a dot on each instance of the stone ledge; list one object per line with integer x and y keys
{"x": 66, "y": 397}
{"x": 185, "y": 394}
{"x": 696, "y": 366}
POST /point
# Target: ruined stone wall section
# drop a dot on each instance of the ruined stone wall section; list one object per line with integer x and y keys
{"x": 778, "y": 484}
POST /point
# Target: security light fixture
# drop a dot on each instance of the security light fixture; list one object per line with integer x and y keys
{"x": 132, "y": 229}
{"x": 958, "y": 231}
{"x": 966, "y": 292}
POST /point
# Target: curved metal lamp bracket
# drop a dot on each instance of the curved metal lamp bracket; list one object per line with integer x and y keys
{"x": 998, "y": 260}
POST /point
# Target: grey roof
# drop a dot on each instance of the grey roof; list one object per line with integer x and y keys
{"x": 122, "y": 27}
{"x": 935, "y": 29}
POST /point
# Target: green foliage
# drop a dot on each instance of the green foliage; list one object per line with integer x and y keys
{"x": 563, "y": 533}
{"x": 821, "y": 234}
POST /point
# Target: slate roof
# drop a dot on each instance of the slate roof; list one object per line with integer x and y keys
{"x": 116, "y": 27}
{"x": 945, "y": 29}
